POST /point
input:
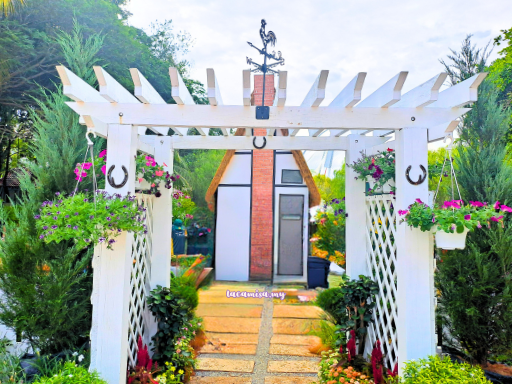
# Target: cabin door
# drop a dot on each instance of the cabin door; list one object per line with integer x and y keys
{"x": 291, "y": 217}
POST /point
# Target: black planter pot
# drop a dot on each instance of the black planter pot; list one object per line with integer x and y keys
{"x": 497, "y": 378}
{"x": 318, "y": 271}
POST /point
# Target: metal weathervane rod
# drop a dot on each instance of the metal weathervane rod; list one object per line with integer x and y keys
{"x": 262, "y": 113}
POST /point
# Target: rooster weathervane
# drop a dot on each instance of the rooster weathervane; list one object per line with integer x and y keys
{"x": 267, "y": 38}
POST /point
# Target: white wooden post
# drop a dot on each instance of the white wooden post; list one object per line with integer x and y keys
{"x": 355, "y": 202}
{"x": 111, "y": 288}
{"x": 414, "y": 258}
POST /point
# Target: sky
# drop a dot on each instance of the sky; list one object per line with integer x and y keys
{"x": 345, "y": 37}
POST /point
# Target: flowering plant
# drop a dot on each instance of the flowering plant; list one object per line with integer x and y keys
{"x": 381, "y": 167}
{"x": 334, "y": 370}
{"x": 143, "y": 372}
{"x": 148, "y": 170}
{"x": 77, "y": 217}
{"x": 328, "y": 242}
{"x": 453, "y": 216}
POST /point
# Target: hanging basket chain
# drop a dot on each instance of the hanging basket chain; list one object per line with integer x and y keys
{"x": 452, "y": 171}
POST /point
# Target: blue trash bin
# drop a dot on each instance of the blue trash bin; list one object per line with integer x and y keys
{"x": 318, "y": 271}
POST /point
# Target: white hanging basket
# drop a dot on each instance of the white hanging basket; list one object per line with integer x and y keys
{"x": 450, "y": 241}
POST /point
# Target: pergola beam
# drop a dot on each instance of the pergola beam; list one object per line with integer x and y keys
{"x": 281, "y": 89}
{"x": 111, "y": 90}
{"x": 424, "y": 94}
{"x": 191, "y": 116}
{"x": 351, "y": 94}
{"x": 387, "y": 95}
{"x": 440, "y": 131}
{"x": 461, "y": 94}
{"x": 213, "y": 88}
{"x": 272, "y": 142}
{"x": 247, "y": 87}
{"x": 77, "y": 89}
{"x": 180, "y": 92}
{"x": 316, "y": 94}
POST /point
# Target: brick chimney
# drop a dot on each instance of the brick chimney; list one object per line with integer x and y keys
{"x": 262, "y": 226}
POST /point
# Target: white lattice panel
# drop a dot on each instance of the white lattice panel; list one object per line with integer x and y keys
{"x": 381, "y": 259}
{"x": 139, "y": 315}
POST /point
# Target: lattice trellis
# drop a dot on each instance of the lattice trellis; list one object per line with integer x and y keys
{"x": 381, "y": 260}
{"x": 139, "y": 315}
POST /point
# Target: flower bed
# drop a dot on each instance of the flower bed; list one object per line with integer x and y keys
{"x": 328, "y": 242}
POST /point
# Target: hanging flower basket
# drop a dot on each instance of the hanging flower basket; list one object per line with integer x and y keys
{"x": 449, "y": 240}
{"x": 377, "y": 170}
{"x": 453, "y": 220}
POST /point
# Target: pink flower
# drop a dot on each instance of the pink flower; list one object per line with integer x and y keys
{"x": 159, "y": 173}
{"x": 165, "y": 165}
{"x": 86, "y": 165}
{"x": 467, "y": 217}
{"x": 494, "y": 218}
{"x": 102, "y": 154}
{"x": 504, "y": 208}
{"x": 209, "y": 230}
{"x": 153, "y": 185}
{"x": 104, "y": 169}
{"x": 187, "y": 197}
{"x": 477, "y": 204}
{"x": 479, "y": 225}
{"x": 140, "y": 179}
{"x": 323, "y": 220}
{"x": 402, "y": 213}
{"x": 390, "y": 150}
{"x": 433, "y": 219}
{"x": 454, "y": 227}
{"x": 452, "y": 204}
{"x": 497, "y": 205}
{"x": 419, "y": 201}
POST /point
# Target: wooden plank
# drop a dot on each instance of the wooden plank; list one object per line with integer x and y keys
{"x": 111, "y": 90}
{"x": 247, "y": 87}
{"x": 202, "y": 131}
{"x": 180, "y": 92}
{"x": 424, "y": 94}
{"x": 459, "y": 95}
{"x": 386, "y": 95}
{"x": 271, "y": 131}
{"x": 77, "y": 89}
{"x": 145, "y": 148}
{"x": 213, "y": 88}
{"x": 294, "y": 132}
{"x": 190, "y": 116}
{"x": 338, "y": 133}
{"x": 316, "y": 94}
{"x": 280, "y": 100}
{"x": 386, "y": 133}
{"x": 318, "y": 132}
{"x": 224, "y": 131}
{"x": 351, "y": 94}
{"x": 273, "y": 142}
{"x": 440, "y": 131}
{"x": 100, "y": 128}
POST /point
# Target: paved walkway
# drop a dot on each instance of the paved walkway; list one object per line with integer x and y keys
{"x": 256, "y": 341}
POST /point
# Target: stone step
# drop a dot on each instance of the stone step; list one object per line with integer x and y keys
{"x": 231, "y": 325}
{"x": 224, "y": 365}
{"x": 293, "y": 366}
{"x": 229, "y": 310}
{"x": 293, "y": 326}
{"x": 295, "y": 340}
{"x": 220, "y": 380}
{"x": 297, "y": 312}
{"x": 232, "y": 338}
{"x": 238, "y": 349}
{"x": 291, "y": 350}
{"x": 290, "y": 380}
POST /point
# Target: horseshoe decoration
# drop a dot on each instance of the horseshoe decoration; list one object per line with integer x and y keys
{"x": 421, "y": 179}
{"x": 111, "y": 181}
{"x": 264, "y": 143}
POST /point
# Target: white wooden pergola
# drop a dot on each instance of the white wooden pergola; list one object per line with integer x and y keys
{"x": 398, "y": 258}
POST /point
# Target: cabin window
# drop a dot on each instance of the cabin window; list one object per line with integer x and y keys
{"x": 291, "y": 176}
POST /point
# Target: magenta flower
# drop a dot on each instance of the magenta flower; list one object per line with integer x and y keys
{"x": 477, "y": 204}
{"x": 467, "y": 217}
{"x": 419, "y": 201}
{"x": 478, "y": 225}
{"x": 402, "y": 213}
{"x": 497, "y": 205}
{"x": 102, "y": 154}
{"x": 159, "y": 173}
{"x": 454, "y": 227}
{"x": 504, "y": 208}
{"x": 104, "y": 169}
{"x": 433, "y": 219}
{"x": 451, "y": 204}
{"x": 494, "y": 218}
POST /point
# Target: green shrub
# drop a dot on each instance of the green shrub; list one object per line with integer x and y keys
{"x": 72, "y": 374}
{"x": 10, "y": 369}
{"x": 331, "y": 301}
{"x": 184, "y": 288}
{"x": 436, "y": 370}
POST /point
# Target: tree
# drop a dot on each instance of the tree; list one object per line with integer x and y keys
{"x": 475, "y": 284}
{"x": 8, "y": 6}
{"x": 331, "y": 188}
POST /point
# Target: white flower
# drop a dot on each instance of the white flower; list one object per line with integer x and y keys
{"x": 75, "y": 353}
{"x": 81, "y": 358}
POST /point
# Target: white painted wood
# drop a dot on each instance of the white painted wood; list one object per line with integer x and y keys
{"x": 248, "y": 132}
{"x": 414, "y": 261}
{"x": 440, "y": 131}
{"x": 213, "y": 88}
{"x": 111, "y": 90}
{"x": 202, "y": 131}
{"x": 247, "y": 87}
{"x": 316, "y": 94}
{"x": 145, "y": 92}
{"x": 294, "y": 132}
{"x": 386, "y": 95}
{"x": 162, "y": 219}
{"x": 233, "y": 233}
{"x": 273, "y": 142}
{"x": 355, "y": 202}
{"x": 282, "y": 79}
{"x": 338, "y": 133}
{"x": 381, "y": 147}
{"x": 423, "y": 95}
{"x": 364, "y": 132}
{"x": 111, "y": 292}
{"x": 318, "y": 132}
{"x": 145, "y": 148}
{"x": 464, "y": 93}
{"x": 77, "y": 89}
{"x": 99, "y": 127}
{"x": 190, "y": 116}
{"x": 224, "y": 132}
{"x": 271, "y": 131}
{"x": 351, "y": 94}
{"x": 386, "y": 133}
{"x": 284, "y": 161}
{"x": 238, "y": 170}
{"x": 180, "y": 92}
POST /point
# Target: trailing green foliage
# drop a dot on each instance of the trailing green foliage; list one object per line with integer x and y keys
{"x": 437, "y": 370}
{"x": 184, "y": 288}
{"x": 380, "y": 167}
{"x": 71, "y": 373}
{"x": 10, "y": 368}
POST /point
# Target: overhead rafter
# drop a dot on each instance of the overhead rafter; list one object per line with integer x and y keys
{"x": 213, "y": 88}
{"x": 423, "y": 95}
{"x": 180, "y": 92}
{"x": 247, "y": 87}
{"x": 461, "y": 94}
{"x": 77, "y": 89}
{"x": 440, "y": 131}
{"x": 316, "y": 94}
{"x": 351, "y": 94}
{"x": 387, "y": 95}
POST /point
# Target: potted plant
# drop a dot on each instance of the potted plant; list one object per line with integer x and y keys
{"x": 150, "y": 175}
{"x": 377, "y": 170}
{"x": 453, "y": 220}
